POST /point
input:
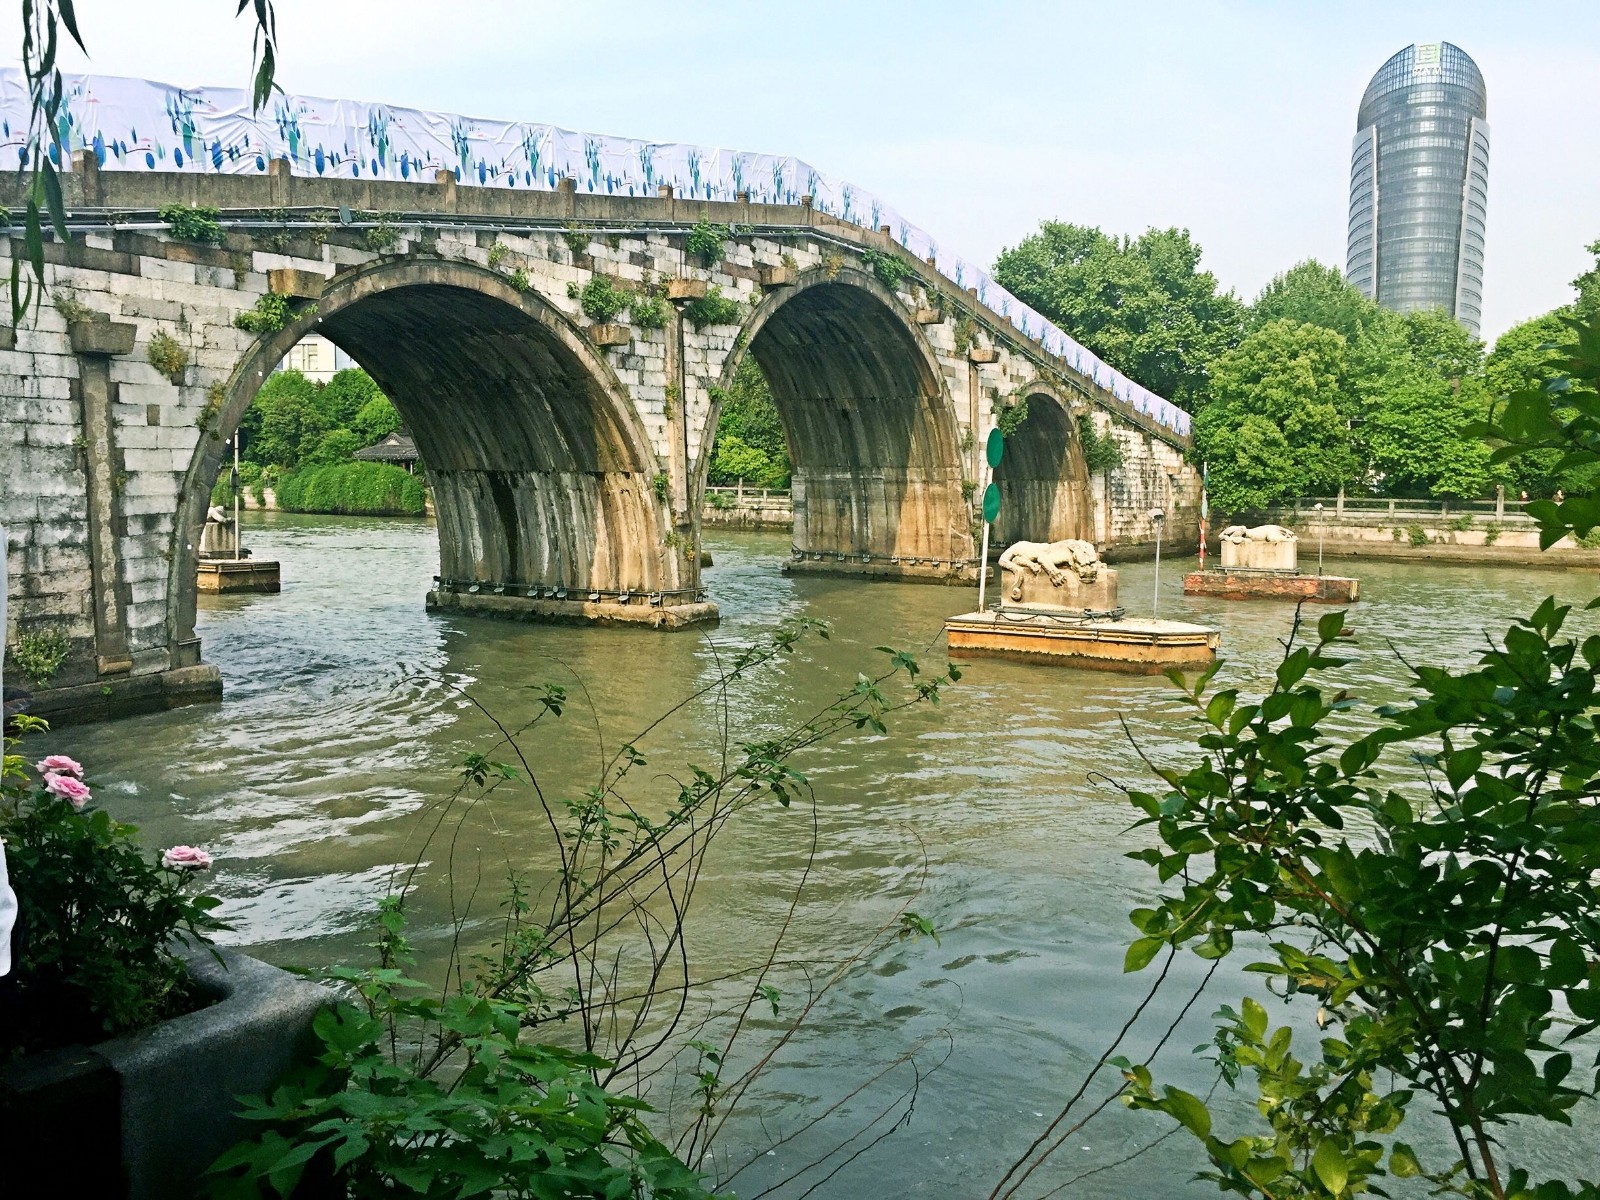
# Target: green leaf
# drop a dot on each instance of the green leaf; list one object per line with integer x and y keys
{"x": 1403, "y": 1162}
{"x": 1140, "y": 953}
{"x": 1191, "y": 1113}
{"x": 1330, "y": 1166}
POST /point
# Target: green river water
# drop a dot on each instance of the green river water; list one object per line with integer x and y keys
{"x": 344, "y": 718}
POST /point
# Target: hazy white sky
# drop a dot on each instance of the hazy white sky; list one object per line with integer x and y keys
{"x": 1230, "y": 117}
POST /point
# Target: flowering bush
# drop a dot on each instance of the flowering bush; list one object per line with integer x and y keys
{"x": 93, "y": 947}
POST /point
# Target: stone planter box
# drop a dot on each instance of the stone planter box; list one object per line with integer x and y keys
{"x": 142, "y": 1116}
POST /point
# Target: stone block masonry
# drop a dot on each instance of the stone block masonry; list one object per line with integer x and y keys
{"x": 562, "y": 458}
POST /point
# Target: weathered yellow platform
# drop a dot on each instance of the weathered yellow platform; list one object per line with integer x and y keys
{"x": 1139, "y": 646}
{"x": 237, "y": 575}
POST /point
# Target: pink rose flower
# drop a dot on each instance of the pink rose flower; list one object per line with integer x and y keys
{"x": 68, "y": 788}
{"x": 186, "y": 858}
{"x": 59, "y": 764}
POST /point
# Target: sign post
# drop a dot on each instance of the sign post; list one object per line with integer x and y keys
{"x": 994, "y": 450}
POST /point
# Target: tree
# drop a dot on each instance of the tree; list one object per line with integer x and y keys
{"x": 1142, "y": 304}
{"x": 335, "y": 447}
{"x": 750, "y": 418}
{"x": 1525, "y": 358}
{"x": 1588, "y": 285}
{"x": 1289, "y": 377}
{"x": 1419, "y": 440}
{"x": 736, "y": 461}
{"x": 1313, "y": 294}
{"x": 347, "y": 393}
{"x": 376, "y": 420}
{"x": 291, "y": 423}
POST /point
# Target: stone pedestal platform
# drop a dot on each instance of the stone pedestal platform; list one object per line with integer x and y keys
{"x": 945, "y": 571}
{"x": 237, "y": 575}
{"x": 1024, "y": 589}
{"x": 1261, "y": 555}
{"x": 518, "y": 606}
{"x": 1230, "y": 584}
{"x": 1137, "y": 646}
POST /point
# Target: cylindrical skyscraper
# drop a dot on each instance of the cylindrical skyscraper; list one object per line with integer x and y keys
{"x": 1419, "y": 184}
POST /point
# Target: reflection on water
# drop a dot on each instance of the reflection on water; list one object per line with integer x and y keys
{"x": 346, "y": 715}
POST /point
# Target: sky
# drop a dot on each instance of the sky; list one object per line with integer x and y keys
{"x": 1230, "y": 118}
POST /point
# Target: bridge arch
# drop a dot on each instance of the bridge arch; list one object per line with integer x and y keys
{"x": 1043, "y": 479}
{"x": 870, "y": 425}
{"x": 541, "y": 470}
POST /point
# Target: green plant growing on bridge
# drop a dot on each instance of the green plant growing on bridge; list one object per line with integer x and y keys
{"x": 577, "y": 240}
{"x": 497, "y": 255}
{"x": 1491, "y": 532}
{"x": 602, "y": 299}
{"x": 712, "y": 309}
{"x": 39, "y": 653}
{"x": 270, "y": 314}
{"x": 71, "y": 309}
{"x": 661, "y": 485}
{"x": 462, "y": 1092}
{"x": 1417, "y": 535}
{"x": 965, "y": 333}
{"x": 193, "y": 223}
{"x": 889, "y": 269}
{"x": 383, "y": 236}
{"x": 519, "y": 280}
{"x": 706, "y": 242}
{"x": 1101, "y": 451}
{"x": 168, "y": 357}
{"x": 650, "y": 310}
{"x": 1009, "y": 418}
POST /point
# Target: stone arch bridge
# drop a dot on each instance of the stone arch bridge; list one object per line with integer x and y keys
{"x": 568, "y": 458}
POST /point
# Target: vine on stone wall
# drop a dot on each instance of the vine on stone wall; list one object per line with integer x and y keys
{"x": 1101, "y": 451}
{"x": 706, "y": 242}
{"x": 889, "y": 269}
{"x": 712, "y": 309}
{"x": 193, "y": 223}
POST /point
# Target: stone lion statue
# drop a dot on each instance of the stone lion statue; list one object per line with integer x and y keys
{"x": 1053, "y": 559}
{"x": 1238, "y": 534}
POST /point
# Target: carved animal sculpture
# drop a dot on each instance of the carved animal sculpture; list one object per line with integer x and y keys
{"x": 1238, "y": 534}
{"x": 1053, "y": 559}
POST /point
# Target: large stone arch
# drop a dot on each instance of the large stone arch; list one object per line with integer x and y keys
{"x": 543, "y": 474}
{"x": 870, "y": 424}
{"x": 1043, "y": 480}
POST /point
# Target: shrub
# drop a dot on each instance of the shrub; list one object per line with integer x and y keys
{"x": 249, "y": 481}
{"x": 193, "y": 223}
{"x": 1101, "y": 452}
{"x": 888, "y": 268}
{"x": 168, "y": 357}
{"x": 1009, "y": 417}
{"x": 40, "y": 653}
{"x": 712, "y": 309}
{"x": 353, "y": 489}
{"x": 577, "y": 240}
{"x": 92, "y": 950}
{"x": 497, "y": 255}
{"x": 602, "y": 299}
{"x": 1416, "y": 535}
{"x": 71, "y": 309}
{"x": 270, "y": 314}
{"x": 383, "y": 236}
{"x": 1491, "y": 533}
{"x": 650, "y": 311}
{"x": 706, "y": 242}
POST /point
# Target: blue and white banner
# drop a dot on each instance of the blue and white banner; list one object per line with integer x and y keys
{"x": 137, "y": 125}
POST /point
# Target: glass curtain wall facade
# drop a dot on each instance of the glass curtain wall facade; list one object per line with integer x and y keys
{"x": 1419, "y": 184}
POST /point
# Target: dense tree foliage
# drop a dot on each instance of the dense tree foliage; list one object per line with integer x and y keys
{"x": 750, "y": 444}
{"x": 296, "y": 422}
{"x": 1310, "y": 388}
{"x": 1142, "y": 304}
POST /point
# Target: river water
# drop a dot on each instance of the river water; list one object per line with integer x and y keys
{"x": 346, "y": 716}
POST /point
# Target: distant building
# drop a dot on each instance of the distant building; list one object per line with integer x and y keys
{"x": 315, "y": 357}
{"x": 396, "y": 448}
{"x": 1419, "y": 184}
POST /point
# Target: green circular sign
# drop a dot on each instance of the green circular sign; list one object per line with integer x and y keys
{"x": 996, "y": 447}
{"x": 991, "y": 502}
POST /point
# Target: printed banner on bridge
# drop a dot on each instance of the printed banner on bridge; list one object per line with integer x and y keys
{"x": 139, "y": 125}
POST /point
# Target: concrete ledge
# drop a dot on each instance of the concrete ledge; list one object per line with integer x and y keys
{"x": 610, "y": 335}
{"x": 101, "y": 337}
{"x": 575, "y": 612}
{"x": 295, "y": 283}
{"x": 1557, "y": 558}
{"x": 1133, "y": 646}
{"x": 128, "y": 695}
{"x": 882, "y": 570}
{"x": 1227, "y": 584}
{"x": 238, "y": 1045}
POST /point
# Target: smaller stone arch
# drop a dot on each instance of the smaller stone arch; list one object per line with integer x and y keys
{"x": 870, "y": 424}
{"x": 542, "y": 471}
{"x": 1042, "y": 477}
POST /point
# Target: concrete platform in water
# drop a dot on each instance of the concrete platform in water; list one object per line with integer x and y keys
{"x": 1240, "y": 583}
{"x": 237, "y": 575}
{"x": 1136, "y": 645}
